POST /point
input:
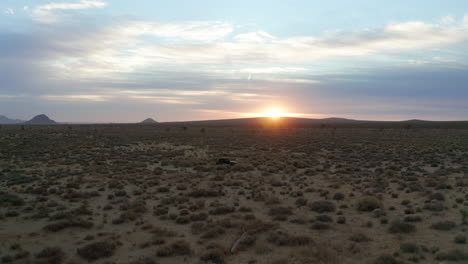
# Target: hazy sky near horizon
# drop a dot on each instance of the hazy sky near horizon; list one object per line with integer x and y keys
{"x": 124, "y": 61}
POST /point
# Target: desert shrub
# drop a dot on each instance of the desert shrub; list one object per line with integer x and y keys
{"x": 96, "y": 250}
{"x": 177, "y": 248}
{"x": 322, "y": 206}
{"x": 280, "y": 210}
{"x": 163, "y": 189}
{"x": 401, "y": 227}
{"x": 258, "y": 226}
{"x": 437, "y": 196}
{"x": 144, "y": 260}
{"x": 324, "y": 218}
{"x": 378, "y": 213}
{"x": 413, "y": 218}
{"x": 71, "y": 222}
{"x": 341, "y": 220}
{"x": 11, "y": 213}
{"x": 7, "y": 259}
{"x": 247, "y": 242}
{"x": 182, "y": 220}
{"x": 460, "y": 239}
{"x": 221, "y": 210}
{"x": 205, "y": 193}
{"x": 386, "y": 259}
{"x": 434, "y": 206}
{"x": 300, "y": 202}
{"x": 444, "y": 225}
{"x": 464, "y": 216}
{"x": 213, "y": 232}
{"x": 369, "y": 204}
{"x": 338, "y": 196}
{"x": 359, "y": 237}
{"x": 409, "y": 248}
{"x": 453, "y": 255}
{"x": 10, "y": 199}
{"x": 320, "y": 226}
{"x": 283, "y": 239}
{"x": 198, "y": 217}
{"x": 50, "y": 255}
{"x": 215, "y": 256}
{"x": 160, "y": 211}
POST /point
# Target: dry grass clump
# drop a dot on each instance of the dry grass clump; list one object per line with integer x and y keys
{"x": 280, "y": 213}
{"x": 199, "y": 193}
{"x": 398, "y": 226}
{"x": 68, "y": 223}
{"x": 386, "y": 259}
{"x": 97, "y": 250}
{"x": 132, "y": 211}
{"x": 284, "y": 239}
{"x": 444, "y": 225}
{"x": 460, "y": 239}
{"x": 144, "y": 260}
{"x": 413, "y": 218}
{"x": 359, "y": 237}
{"x": 338, "y": 196}
{"x": 213, "y": 232}
{"x": 453, "y": 255}
{"x": 50, "y": 255}
{"x": 322, "y": 206}
{"x": 221, "y": 210}
{"x": 409, "y": 248}
{"x": 214, "y": 255}
{"x": 10, "y": 199}
{"x": 369, "y": 204}
{"x": 176, "y": 248}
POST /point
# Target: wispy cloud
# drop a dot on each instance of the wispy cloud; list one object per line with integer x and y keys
{"x": 215, "y": 63}
{"x": 9, "y": 11}
{"x": 45, "y": 13}
{"x": 255, "y": 37}
{"x": 204, "y": 31}
{"x": 80, "y": 97}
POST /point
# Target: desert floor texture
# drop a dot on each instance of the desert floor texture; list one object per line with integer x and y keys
{"x": 144, "y": 194}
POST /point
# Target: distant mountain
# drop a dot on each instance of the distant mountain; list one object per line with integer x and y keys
{"x": 333, "y": 122}
{"x": 6, "y": 120}
{"x": 41, "y": 120}
{"x": 149, "y": 121}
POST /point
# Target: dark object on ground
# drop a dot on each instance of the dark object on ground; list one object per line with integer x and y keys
{"x": 225, "y": 161}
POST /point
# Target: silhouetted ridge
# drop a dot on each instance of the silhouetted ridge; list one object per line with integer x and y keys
{"x": 6, "y": 120}
{"x": 41, "y": 120}
{"x": 149, "y": 121}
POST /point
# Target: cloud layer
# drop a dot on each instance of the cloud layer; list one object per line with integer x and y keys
{"x": 210, "y": 66}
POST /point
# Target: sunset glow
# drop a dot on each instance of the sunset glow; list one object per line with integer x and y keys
{"x": 274, "y": 113}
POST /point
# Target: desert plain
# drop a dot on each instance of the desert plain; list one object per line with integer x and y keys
{"x": 146, "y": 194}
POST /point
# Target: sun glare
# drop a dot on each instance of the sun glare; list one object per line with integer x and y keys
{"x": 274, "y": 113}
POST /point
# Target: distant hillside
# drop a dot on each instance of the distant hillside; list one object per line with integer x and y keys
{"x": 149, "y": 121}
{"x": 6, "y": 120}
{"x": 324, "y": 123}
{"x": 40, "y": 120}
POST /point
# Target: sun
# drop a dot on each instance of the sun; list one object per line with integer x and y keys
{"x": 274, "y": 113}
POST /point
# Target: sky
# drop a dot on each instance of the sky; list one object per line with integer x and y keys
{"x": 124, "y": 61}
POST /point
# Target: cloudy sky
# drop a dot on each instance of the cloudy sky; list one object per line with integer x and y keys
{"x": 123, "y": 61}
